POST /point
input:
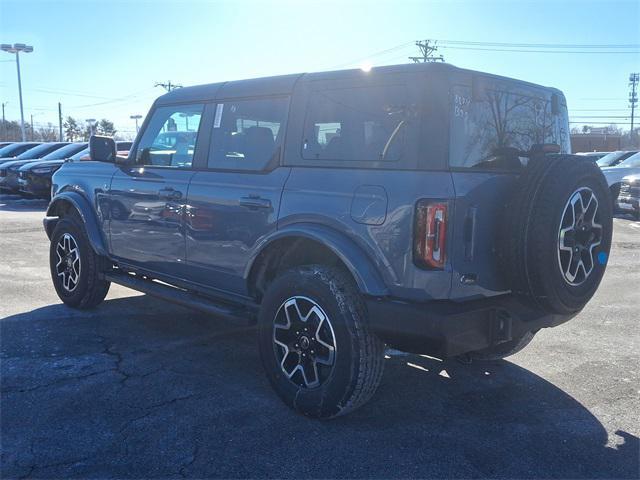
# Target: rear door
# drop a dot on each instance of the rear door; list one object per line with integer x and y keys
{"x": 234, "y": 196}
{"x": 147, "y": 199}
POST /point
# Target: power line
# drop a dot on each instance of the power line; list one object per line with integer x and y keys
{"x": 599, "y": 116}
{"x": 635, "y": 52}
{"x": 599, "y": 123}
{"x": 540, "y": 45}
{"x": 375, "y": 54}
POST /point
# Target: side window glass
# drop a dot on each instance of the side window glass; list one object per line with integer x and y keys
{"x": 170, "y": 137}
{"x": 368, "y": 123}
{"x": 247, "y": 133}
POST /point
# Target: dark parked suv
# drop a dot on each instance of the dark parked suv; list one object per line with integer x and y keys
{"x": 426, "y": 207}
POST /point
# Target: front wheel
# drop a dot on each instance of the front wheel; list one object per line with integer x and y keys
{"x": 75, "y": 267}
{"x": 315, "y": 343}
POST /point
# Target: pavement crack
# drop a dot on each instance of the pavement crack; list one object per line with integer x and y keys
{"x": 54, "y": 383}
{"x": 191, "y": 461}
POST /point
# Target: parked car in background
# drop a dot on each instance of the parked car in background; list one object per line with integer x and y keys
{"x": 614, "y": 158}
{"x": 13, "y": 150}
{"x": 34, "y": 178}
{"x": 9, "y": 168}
{"x": 593, "y": 156}
{"x": 629, "y": 196}
{"x": 614, "y": 175}
{"x": 50, "y": 162}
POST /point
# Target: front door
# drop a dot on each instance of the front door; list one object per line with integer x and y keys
{"x": 147, "y": 199}
{"x": 234, "y": 197}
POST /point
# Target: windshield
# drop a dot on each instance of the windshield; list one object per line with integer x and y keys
{"x": 65, "y": 152}
{"x": 632, "y": 161}
{"x": 614, "y": 158}
{"x": 609, "y": 159}
{"x": 40, "y": 151}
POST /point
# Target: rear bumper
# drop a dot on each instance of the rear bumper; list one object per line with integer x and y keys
{"x": 446, "y": 328}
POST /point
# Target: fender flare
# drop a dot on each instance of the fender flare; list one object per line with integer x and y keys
{"x": 87, "y": 214}
{"x": 359, "y": 264}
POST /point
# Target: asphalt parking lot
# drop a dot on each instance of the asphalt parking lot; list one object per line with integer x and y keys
{"x": 139, "y": 388}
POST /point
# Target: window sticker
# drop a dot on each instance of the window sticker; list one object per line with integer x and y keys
{"x": 218, "y": 118}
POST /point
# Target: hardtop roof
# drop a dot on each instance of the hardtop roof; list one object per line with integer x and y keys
{"x": 284, "y": 84}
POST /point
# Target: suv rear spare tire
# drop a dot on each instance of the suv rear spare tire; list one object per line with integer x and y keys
{"x": 557, "y": 233}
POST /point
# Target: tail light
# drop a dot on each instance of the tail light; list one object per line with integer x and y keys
{"x": 430, "y": 234}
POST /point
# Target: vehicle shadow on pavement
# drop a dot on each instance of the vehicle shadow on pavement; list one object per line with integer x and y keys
{"x": 139, "y": 388}
{"x": 15, "y": 203}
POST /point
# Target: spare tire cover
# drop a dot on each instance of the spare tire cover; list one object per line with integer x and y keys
{"x": 556, "y": 235}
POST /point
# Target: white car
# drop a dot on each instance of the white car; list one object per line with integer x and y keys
{"x": 614, "y": 175}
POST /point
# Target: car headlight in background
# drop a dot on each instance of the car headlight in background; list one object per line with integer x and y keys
{"x": 42, "y": 170}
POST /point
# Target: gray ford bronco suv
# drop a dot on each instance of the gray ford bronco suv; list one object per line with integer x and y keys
{"x": 430, "y": 208}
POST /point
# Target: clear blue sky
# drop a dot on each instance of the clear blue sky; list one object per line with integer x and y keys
{"x": 102, "y": 59}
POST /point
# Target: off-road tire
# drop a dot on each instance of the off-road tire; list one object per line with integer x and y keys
{"x": 91, "y": 287}
{"x": 359, "y": 353}
{"x": 503, "y": 350}
{"x": 529, "y": 239}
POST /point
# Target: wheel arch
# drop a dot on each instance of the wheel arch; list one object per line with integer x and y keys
{"x": 64, "y": 203}
{"x": 307, "y": 243}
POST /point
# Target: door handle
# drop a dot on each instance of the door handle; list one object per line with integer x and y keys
{"x": 168, "y": 193}
{"x": 255, "y": 202}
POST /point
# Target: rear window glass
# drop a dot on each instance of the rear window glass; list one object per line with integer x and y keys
{"x": 632, "y": 161}
{"x": 65, "y": 152}
{"x": 15, "y": 149}
{"x": 351, "y": 124}
{"x": 40, "y": 151}
{"x": 486, "y": 131}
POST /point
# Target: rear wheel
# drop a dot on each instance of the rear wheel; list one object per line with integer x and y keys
{"x": 315, "y": 343}
{"x": 75, "y": 267}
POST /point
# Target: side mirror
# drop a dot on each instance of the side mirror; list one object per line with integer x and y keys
{"x": 102, "y": 149}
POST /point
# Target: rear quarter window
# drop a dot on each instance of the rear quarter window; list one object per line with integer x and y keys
{"x": 370, "y": 124}
{"x": 483, "y": 129}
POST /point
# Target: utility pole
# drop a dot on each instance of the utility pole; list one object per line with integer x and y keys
{"x": 16, "y": 48}
{"x": 32, "y": 127}
{"x": 60, "y": 119}
{"x": 4, "y": 125}
{"x": 427, "y": 49}
{"x": 634, "y": 78}
{"x": 168, "y": 86}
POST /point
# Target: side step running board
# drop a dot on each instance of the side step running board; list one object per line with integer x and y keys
{"x": 180, "y": 297}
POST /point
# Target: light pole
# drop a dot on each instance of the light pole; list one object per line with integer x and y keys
{"x": 92, "y": 124}
{"x": 136, "y": 118}
{"x": 17, "y": 48}
{"x": 4, "y": 125}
